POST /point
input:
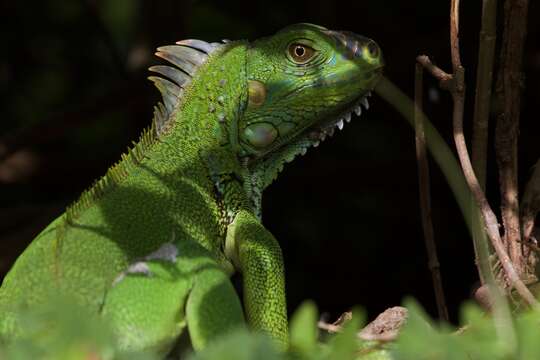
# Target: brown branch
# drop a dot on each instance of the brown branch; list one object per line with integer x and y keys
{"x": 445, "y": 79}
{"x": 482, "y": 104}
{"x": 425, "y": 200}
{"x": 440, "y": 151}
{"x": 484, "y": 79}
{"x": 492, "y": 226}
{"x": 457, "y": 90}
{"x": 454, "y": 38}
{"x": 509, "y": 86}
{"x": 480, "y": 246}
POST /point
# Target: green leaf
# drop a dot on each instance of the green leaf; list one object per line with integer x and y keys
{"x": 528, "y": 329}
{"x": 304, "y": 330}
{"x": 480, "y": 339}
{"x": 418, "y": 339}
{"x": 240, "y": 345}
{"x": 62, "y": 330}
{"x": 346, "y": 344}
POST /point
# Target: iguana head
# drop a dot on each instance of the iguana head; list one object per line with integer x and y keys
{"x": 303, "y": 82}
{"x": 278, "y": 95}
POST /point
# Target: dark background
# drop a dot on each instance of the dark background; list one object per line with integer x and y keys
{"x": 74, "y": 95}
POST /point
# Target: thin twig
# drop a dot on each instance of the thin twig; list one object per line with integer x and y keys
{"x": 488, "y": 216}
{"x": 509, "y": 86}
{"x": 503, "y": 320}
{"x": 440, "y": 151}
{"x": 331, "y": 328}
{"x": 425, "y": 199}
{"x": 481, "y": 249}
{"x": 484, "y": 79}
{"x": 454, "y": 35}
{"x": 457, "y": 89}
{"x": 492, "y": 226}
{"x": 490, "y": 220}
{"x": 446, "y": 81}
{"x": 482, "y": 104}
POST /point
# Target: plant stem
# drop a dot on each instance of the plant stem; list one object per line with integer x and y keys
{"x": 509, "y": 86}
{"x": 484, "y": 80}
{"x": 425, "y": 199}
{"x": 482, "y": 104}
{"x": 440, "y": 151}
{"x": 490, "y": 220}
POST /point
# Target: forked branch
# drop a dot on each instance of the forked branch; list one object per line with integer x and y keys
{"x": 455, "y": 83}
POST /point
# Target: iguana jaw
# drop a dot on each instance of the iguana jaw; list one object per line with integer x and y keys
{"x": 262, "y": 171}
{"x": 313, "y": 135}
{"x": 327, "y": 128}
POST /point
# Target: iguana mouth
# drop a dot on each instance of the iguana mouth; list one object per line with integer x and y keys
{"x": 327, "y": 128}
{"x": 312, "y": 136}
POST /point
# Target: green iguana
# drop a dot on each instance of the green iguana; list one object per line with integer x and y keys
{"x": 151, "y": 245}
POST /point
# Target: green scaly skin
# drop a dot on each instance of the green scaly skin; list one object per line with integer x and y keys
{"x": 152, "y": 245}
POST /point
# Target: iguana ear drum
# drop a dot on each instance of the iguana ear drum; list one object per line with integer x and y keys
{"x": 256, "y": 93}
{"x": 261, "y": 135}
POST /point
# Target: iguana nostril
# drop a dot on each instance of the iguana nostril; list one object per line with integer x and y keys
{"x": 353, "y": 43}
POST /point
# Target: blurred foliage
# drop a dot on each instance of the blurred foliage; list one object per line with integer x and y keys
{"x": 63, "y": 331}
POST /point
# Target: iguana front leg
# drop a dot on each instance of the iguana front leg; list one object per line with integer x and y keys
{"x": 179, "y": 284}
{"x": 257, "y": 255}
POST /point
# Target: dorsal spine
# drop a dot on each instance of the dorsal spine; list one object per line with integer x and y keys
{"x": 187, "y": 57}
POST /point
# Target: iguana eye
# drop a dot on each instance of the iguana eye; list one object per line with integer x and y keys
{"x": 300, "y": 53}
{"x": 370, "y": 52}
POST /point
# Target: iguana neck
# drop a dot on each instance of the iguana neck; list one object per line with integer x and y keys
{"x": 205, "y": 125}
{"x": 198, "y": 139}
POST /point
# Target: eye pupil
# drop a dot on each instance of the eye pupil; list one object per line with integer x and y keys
{"x": 299, "y": 53}
{"x": 372, "y": 48}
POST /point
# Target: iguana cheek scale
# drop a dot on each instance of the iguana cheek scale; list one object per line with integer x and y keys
{"x": 152, "y": 244}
